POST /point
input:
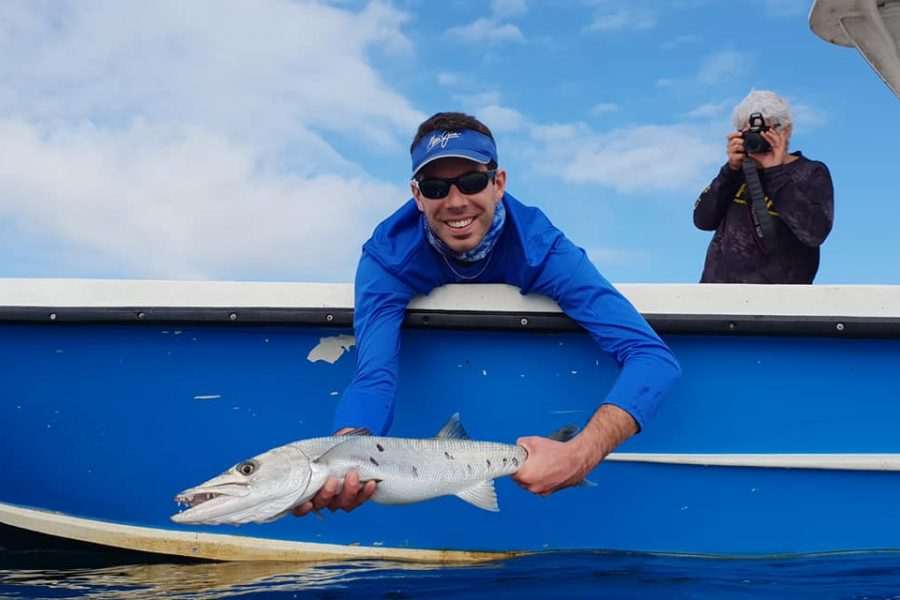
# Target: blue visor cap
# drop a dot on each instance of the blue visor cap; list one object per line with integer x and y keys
{"x": 464, "y": 143}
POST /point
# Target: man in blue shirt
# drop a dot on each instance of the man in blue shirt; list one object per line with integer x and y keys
{"x": 462, "y": 226}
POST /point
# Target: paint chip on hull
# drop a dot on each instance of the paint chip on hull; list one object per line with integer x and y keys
{"x": 330, "y": 349}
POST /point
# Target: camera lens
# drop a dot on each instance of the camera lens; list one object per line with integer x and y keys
{"x": 754, "y": 142}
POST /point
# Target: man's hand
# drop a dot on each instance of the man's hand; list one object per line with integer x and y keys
{"x": 552, "y": 466}
{"x": 335, "y": 496}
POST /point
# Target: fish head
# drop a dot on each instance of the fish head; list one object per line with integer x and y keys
{"x": 257, "y": 490}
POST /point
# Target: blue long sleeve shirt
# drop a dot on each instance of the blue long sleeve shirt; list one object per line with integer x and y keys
{"x": 398, "y": 263}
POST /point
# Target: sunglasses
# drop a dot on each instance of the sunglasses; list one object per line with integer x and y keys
{"x": 470, "y": 183}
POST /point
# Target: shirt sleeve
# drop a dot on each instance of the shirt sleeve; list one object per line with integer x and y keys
{"x": 713, "y": 203}
{"x": 804, "y": 199}
{"x": 380, "y": 303}
{"x": 649, "y": 369}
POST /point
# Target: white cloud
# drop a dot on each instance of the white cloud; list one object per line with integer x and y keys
{"x": 603, "y": 107}
{"x": 198, "y": 139}
{"x": 480, "y": 99}
{"x": 678, "y": 41}
{"x": 451, "y": 79}
{"x": 713, "y": 110}
{"x": 807, "y": 117}
{"x": 727, "y": 64}
{"x": 508, "y": 8}
{"x": 624, "y": 17}
{"x": 491, "y": 29}
{"x": 485, "y": 31}
{"x": 182, "y": 202}
{"x": 501, "y": 118}
{"x": 634, "y": 159}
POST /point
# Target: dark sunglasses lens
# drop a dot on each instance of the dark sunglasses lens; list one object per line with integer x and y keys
{"x": 434, "y": 188}
{"x": 472, "y": 183}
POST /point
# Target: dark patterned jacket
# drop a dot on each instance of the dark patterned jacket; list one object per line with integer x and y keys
{"x": 800, "y": 199}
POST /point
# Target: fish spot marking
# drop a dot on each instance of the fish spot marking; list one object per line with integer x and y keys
{"x": 448, "y": 456}
{"x": 380, "y": 447}
{"x": 373, "y": 461}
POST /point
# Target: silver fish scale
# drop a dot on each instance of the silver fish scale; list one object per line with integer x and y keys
{"x": 410, "y": 469}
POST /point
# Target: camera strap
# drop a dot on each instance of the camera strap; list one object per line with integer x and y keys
{"x": 763, "y": 227}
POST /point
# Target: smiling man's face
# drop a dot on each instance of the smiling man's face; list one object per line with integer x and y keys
{"x": 460, "y": 220}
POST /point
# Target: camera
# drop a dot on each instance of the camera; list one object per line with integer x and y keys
{"x": 753, "y": 139}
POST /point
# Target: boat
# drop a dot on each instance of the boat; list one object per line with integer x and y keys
{"x": 870, "y": 26}
{"x": 780, "y": 438}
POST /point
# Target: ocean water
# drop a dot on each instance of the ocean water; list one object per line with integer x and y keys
{"x": 48, "y": 574}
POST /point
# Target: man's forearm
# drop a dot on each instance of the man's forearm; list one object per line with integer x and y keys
{"x": 607, "y": 428}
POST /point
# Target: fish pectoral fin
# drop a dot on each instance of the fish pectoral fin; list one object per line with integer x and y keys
{"x": 453, "y": 429}
{"x": 482, "y": 495}
{"x": 342, "y": 449}
{"x": 586, "y": 483}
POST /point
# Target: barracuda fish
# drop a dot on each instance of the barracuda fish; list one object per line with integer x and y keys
{"x": 407, "y": 470}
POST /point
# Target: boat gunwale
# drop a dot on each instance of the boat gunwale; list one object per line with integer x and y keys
{"x": 685, "y": 324}
{"x": 845, "y": 311}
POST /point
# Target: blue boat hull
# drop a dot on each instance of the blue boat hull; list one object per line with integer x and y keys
{"x": 107, "y": 422}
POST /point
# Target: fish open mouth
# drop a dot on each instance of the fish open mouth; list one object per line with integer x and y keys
{"x": 192, "y": 500}
{"x": 196, "y": 496}
{"x": 208, "y": 504}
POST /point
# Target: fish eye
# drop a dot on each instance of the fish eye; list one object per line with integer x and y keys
{"x": 246, "y": 468}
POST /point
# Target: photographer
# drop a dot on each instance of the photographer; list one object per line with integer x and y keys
{"x": 775, "y": 239}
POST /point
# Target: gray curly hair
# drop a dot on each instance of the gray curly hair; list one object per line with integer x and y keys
{"x": 773, "y": 107}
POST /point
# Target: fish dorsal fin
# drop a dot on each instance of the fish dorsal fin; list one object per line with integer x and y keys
{"x": 482, "y": 495}
{"x": 565, "y": 434}
{"x": 453, "y": 429}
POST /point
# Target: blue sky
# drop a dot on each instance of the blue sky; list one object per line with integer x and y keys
{"x": 264, "y": 139}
